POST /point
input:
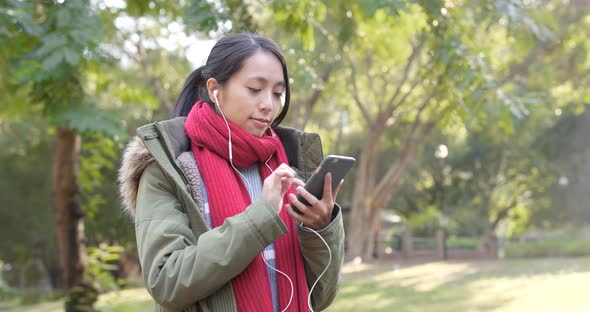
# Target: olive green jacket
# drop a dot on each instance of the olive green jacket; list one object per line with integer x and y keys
{"x": 186, "y": 265}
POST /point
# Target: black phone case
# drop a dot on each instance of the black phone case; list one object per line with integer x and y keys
{"x": 335, "y": 164}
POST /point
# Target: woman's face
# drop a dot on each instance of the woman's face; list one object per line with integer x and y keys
{"x": 251, "y": 98}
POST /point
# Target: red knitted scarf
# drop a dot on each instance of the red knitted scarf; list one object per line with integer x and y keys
{"x": 228, "y": 196}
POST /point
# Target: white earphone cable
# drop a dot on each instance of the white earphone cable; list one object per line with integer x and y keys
{"x": 246, "y": 180}
{"x": 323, "y": 272}
{"x": 304, "y": 227}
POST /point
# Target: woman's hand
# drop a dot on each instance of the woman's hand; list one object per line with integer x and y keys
{"x": 277, "y": 184}
{"x": 318, "y": 215}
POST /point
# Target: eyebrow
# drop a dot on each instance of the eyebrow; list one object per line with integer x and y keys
{"x": 264, "y": 80}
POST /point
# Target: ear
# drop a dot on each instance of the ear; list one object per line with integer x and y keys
{"x": 212, "y": 86}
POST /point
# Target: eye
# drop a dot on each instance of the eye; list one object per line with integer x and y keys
{"x": 278, "y": 94}
{"x": 253, "y": 90}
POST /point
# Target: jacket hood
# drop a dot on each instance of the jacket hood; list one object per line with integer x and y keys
{"x": 135, "y": 159}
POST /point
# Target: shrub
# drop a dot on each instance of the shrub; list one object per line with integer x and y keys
{"x": 102, "y": 263}
{"x": 549, "y": 248}
{"x": 7, "y": 294}
{"x": 462, "y": 243}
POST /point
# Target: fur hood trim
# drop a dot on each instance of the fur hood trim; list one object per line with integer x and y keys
{"x": 135, "y": 159}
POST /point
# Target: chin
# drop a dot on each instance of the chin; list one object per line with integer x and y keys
{"x": 260, "y": 134}
{"x": 257, "y": 133}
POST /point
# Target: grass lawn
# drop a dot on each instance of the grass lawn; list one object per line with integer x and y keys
{"x": 507, "y": 285}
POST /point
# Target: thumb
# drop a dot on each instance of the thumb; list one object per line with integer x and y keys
{"x": 286, "y": 183}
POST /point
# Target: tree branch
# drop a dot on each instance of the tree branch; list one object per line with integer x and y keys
{"x": 502, "y": 214}
{"x": 370, "y": 77}
{"x": 415, "y": 52}
{"x": 315, "y": 97}
{"x": 394, "y": 173}
{"x": 355, "y": 95}
{"x": 151, "y": 82}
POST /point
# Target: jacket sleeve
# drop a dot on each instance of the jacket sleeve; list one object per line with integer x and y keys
{"x": 316, "y": 258}
{"x": 179, "y": 268}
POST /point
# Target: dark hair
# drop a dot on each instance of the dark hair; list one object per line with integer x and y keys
{"x": 226, "y": 58}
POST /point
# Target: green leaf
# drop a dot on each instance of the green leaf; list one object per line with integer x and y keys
{"x": 80, "y": 36}
{"x": 28, "y": 23}
{"x": 26, "y": 71}
{"x": 392, "y": 6}
{"x": 71, "y": 57}
{"x": 63, "y": 18}
{"x": 115, "y": 249}
{"x": 51, "y": 62}
{"x": 203, "y": 14}
{"x": 51, "y": 43}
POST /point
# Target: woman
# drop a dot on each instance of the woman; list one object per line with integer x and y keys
{"x": 211, "y": 193}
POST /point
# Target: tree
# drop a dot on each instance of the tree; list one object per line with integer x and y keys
{"x": 430, "y": 67}
{"x": 497, "y": 175}
{"x": 424, "y": 94}
{"x": 55, "y": 63}
{"x": 51, "y": 41}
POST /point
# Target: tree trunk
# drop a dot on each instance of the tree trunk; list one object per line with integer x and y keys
{"x": 373, "y": 234}
{"x": 69, "y": 226}
{"x": 361, "y": 212}
{"x": 489, "y": 244}
{"x": 370, "y": 197}
{"x": 51, "y": 262}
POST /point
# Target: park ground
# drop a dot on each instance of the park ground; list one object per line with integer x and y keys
{"x": 552, "y": 284}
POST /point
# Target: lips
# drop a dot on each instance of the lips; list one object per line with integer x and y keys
{"x": 261, "y": 122}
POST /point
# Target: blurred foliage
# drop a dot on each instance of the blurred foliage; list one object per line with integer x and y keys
{"x": 557, "y": 247}
{"x": 480, "y": 67}
{"x": 47, "y": 45}
{"x": 505, "y": 82}
{"x": 466, "y": 243}
{"x": 81, "y": 298}
{"x": 25, "y": 204}
{"x": 102, "y": 265}
{"x": 568, "y": 158}
{"x": 66, "y": 64}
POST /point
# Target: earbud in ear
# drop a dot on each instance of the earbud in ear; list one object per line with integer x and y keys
{"x": 215, "y": 92}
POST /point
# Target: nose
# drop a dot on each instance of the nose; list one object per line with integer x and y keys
{"x": 266, "y": 102}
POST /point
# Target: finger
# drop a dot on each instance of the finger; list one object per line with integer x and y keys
{"x": 286, "y": 182}
{"x": 302, "y": 218}
{"x": 298, "y": 217}
{"x": 317, "y": 209}
{"x": 327, "y": 186}
{"x": 284, "y": 172}
{"x": 286, "y": 168}
{"x": 309, "y": 216}
{"x": 335, "y": 192}
{"x": 298, "y": 182}
{"x": 287, "y": 179}
{"x": 278, "y": 177}
{"x": 312, "y": 200}
{"x": 303, "y": 208}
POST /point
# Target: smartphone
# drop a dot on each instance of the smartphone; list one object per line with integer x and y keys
{"x": 337, "y": 165}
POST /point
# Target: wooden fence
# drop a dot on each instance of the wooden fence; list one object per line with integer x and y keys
{"x": 407, "y": 247}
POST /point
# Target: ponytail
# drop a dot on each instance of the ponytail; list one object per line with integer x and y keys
{"x": 194, "y": 89}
